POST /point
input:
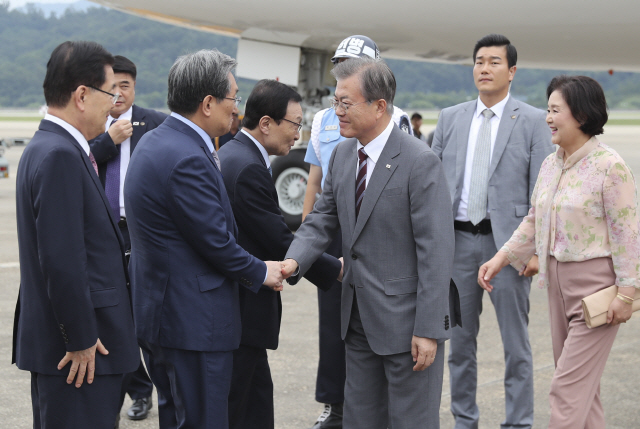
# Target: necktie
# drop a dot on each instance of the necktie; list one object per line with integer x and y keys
{"x": 270, "y": 171}
{"x": 216, "y": 158}
{"x": 93, "y": 162}
{"x": 112, "y": 182}
{"x": 477, "y": 208}
{"x": 361, "y": 179}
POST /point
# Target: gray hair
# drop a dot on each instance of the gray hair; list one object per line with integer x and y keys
{"x": 376, "y": 78}
{"x": 194, "y": 76}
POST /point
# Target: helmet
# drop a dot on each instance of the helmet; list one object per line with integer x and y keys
{"x": 355, "y": 47}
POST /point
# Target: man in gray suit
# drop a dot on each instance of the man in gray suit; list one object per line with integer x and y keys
{"x": 387, "y": 192}
{"x": 491, "y": 149}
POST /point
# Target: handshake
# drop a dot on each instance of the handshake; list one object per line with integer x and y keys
{"x": 277, "y": 272}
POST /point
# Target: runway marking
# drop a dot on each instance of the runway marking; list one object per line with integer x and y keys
{"x": 10, "y": 265}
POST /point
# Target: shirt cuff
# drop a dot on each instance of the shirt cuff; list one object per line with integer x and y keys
{"x": 266, "y": 274}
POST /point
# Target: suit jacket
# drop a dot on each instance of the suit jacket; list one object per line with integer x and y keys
{"x": 522, "y": 143}
{"x": 185, "y": 262}
{"x": 263, "y": 233}
{"x": 73, "y": 275}
{"x": 103, "y": 148}
{"x": 399, "y": 252}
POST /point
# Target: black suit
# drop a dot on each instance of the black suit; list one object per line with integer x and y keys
{"x": 74, "y": 283}
{"x": 264, "y": 234}
{"x": 137, "y": 384}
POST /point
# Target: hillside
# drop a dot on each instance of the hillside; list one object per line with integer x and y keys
{"x": 28, "y": 35}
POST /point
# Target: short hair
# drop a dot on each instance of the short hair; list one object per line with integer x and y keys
{"x": 416, "y": 116}
{"x": 268, "y": 98}
{"x": 497, "y": 40}
{"x": 376, "y": 78}
{"x": 585, "y": 99}
{"x": 195, "y": 76}
{"x": 73, "y": 64}
{"x": 124, "y": 65}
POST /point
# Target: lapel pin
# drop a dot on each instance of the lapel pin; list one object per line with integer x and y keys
{"x": 388, "y": 166}
{"x": 142, "y": 124}
{"x": 135, "y": 124}
{"x": 513, "y": 116}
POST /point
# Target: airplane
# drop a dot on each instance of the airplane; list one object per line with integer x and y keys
{"x": 293, "y": 41}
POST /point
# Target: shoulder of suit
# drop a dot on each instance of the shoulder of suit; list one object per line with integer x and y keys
{"x": 143, "y": 112}
{"x": 527, "y": 109}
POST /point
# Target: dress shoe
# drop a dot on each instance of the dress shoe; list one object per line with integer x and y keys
{"x": 140, "y": 409}
{"x": 331, "y": 417}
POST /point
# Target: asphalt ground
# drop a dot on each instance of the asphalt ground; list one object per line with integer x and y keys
{"x": 294, "y": 364}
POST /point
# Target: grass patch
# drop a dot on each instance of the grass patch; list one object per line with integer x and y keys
{"x": 623, "y": 122}
{"x": 21, "y": 118}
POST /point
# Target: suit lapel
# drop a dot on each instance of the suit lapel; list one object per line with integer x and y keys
{"x": 462, "y": 141}
{"x": 507, "y": 122}
{"x": 379, "y": 178}
{"x": 349, "y": 180}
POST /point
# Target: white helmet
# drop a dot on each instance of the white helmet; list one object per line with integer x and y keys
{"x": 355, "y": 47}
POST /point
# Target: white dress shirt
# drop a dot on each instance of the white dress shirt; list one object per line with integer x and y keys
{"x": 373, "y": 150}
{"x": 476, "y": 123}
{"x": 261, "y": 148}
{"x": 71, "y": 130}
{"x": 125, "y": 155}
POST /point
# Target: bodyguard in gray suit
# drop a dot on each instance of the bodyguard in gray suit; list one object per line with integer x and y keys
{"x": 491, "y": 150}
{"x": 387, "y": 192}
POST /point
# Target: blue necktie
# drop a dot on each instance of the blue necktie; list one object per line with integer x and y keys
{"x": 270, "y": 171}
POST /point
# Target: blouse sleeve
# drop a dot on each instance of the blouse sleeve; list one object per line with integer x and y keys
{"x": 521, "y": 246}
{"x": 620, "y": 205}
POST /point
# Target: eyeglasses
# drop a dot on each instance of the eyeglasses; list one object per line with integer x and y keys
{"x": 236, "y": 100}
{"x": 345, "y": 106}
{"x": 114, "y": 97}
{"x": 294, "y": 123}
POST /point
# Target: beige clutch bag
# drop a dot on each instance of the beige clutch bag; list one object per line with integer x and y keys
{"x": 596, "y": 305}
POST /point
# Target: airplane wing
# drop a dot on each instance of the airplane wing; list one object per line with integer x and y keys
{"x": 566, "y": 34}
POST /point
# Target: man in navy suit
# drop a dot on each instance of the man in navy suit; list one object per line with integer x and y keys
{"x": 73, "y": 297}
{"x": 185, "y": 261}
{"x": 271, "y": 127}
{"x": 126, "y": 124}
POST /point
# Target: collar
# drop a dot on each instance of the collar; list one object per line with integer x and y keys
{"x": 263, "y": 151}
{"x": 375, "y": 146}
{"x": 126, "y": 115}
{"x": 584, "y": 150}
{"x": 497, "y": 109}
{"x": 71, "y": 130}
{"x": 197, "y": 129}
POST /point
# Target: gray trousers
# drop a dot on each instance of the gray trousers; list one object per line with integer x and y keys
{"x": 510, "y": 299}
{"x": 383, "y": 391}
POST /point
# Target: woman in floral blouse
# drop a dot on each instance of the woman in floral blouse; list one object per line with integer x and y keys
{"x": 584, "y": 225}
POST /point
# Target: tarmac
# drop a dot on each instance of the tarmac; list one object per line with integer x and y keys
{"x": 294, "y": 364}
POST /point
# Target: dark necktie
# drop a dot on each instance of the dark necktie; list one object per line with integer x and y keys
{"x": 361, "y": 180}
{"x": 93, "y": 162}
{"x": 112, "y": 182}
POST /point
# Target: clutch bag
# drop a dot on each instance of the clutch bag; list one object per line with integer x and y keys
{"x": 596, "y": 305}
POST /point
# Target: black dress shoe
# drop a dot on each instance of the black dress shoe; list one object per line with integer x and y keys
{"x": 331, "y": 417}
{"x": 140, "y": 409}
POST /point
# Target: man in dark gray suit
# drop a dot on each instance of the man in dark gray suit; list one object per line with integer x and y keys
{"x": 491, "y": 150}
{"x": 387, "y": 193}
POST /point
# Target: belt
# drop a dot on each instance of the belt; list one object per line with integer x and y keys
{"x": 484, "y": 227}
{"x": 122, "y": 223}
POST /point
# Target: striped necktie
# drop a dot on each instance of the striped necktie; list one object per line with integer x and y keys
{"x": 478, "y": 189}
{"x": 361, "y": 179}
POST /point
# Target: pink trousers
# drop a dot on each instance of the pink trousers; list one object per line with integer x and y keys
{"x": 580, "y": 353}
